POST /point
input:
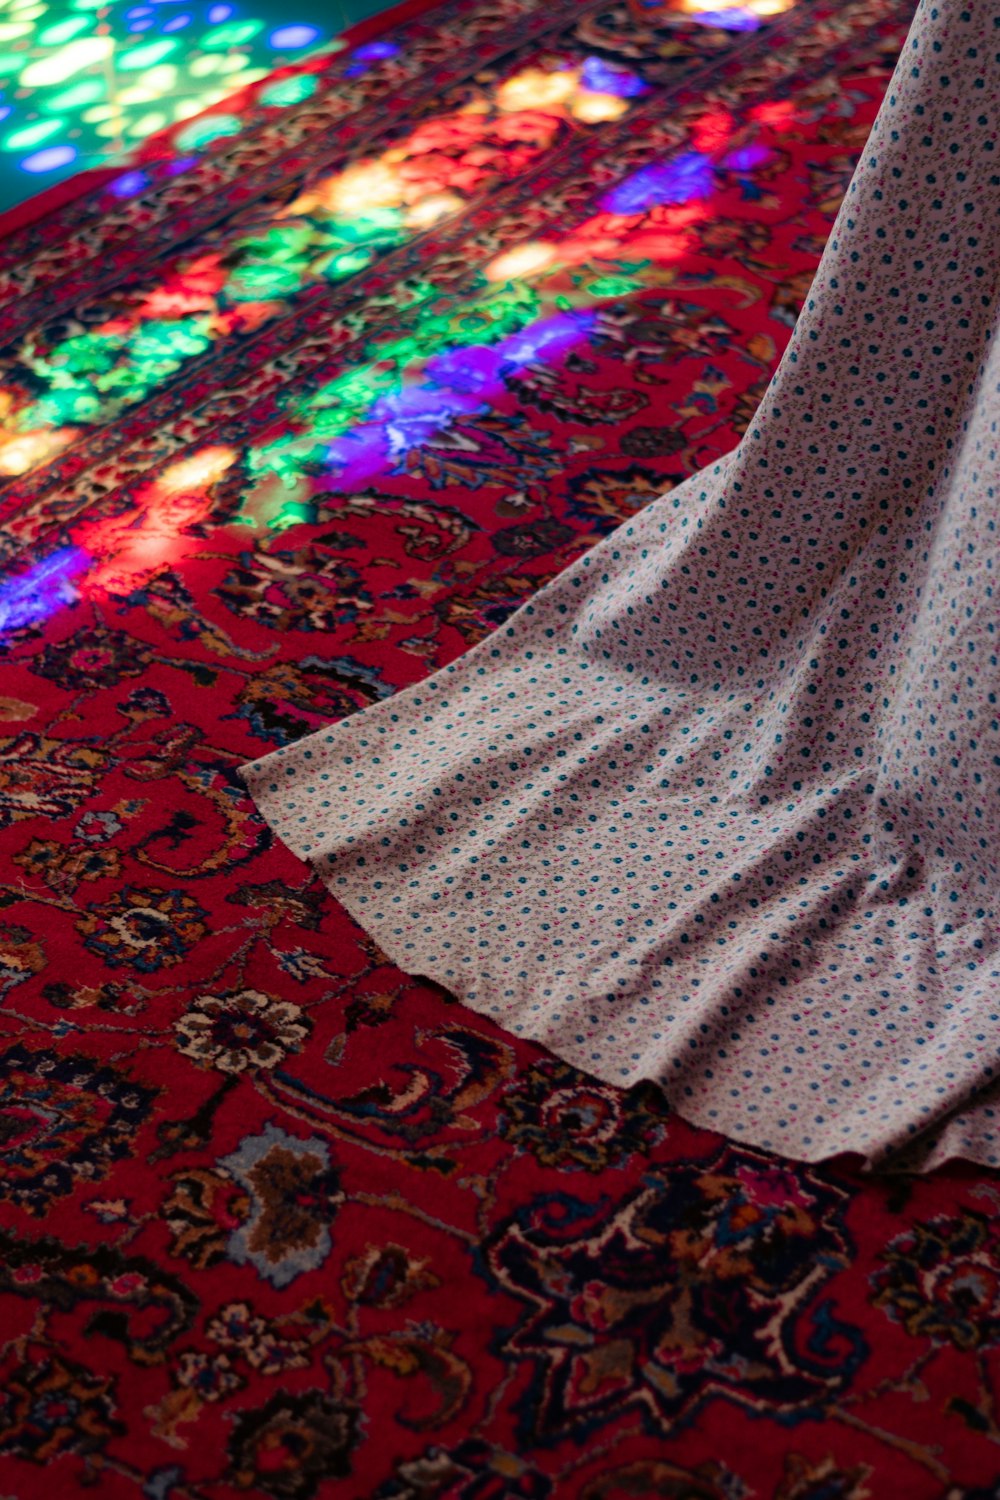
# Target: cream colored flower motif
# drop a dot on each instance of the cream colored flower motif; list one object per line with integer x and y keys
{"x": 245, "y": 1029}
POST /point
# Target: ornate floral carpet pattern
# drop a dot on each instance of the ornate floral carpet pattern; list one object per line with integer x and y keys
{"x": 291, "y": 425}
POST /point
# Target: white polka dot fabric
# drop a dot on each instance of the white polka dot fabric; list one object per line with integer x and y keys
{"x": 720, "y": 806}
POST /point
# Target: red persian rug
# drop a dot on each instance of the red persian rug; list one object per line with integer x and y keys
{"x": 284, "y": 426}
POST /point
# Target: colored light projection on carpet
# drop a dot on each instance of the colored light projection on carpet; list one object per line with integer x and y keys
{"x": 534, "y": 304}
{"x": 332, "y": 232}
{"x": 730, "y": 15}
{"x": 454, "y": 364}
{"x": 113, "y": 554}
{"x": 82, "y": 80}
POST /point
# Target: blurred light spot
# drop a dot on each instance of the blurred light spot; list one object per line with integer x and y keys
{"x": 525, "y": 260}
{"x": 162, "y": 78}
{"x": 593, "y": 108}
{"x": 128, "y": 185}
{"x": 235, "y": 34}
{"x": 711, "y": 131}
{"x": 147, "y": 124}
{"x": 201, "y": 132}
{"x": 728, "y": 20}
{"x": 69, "y": 60}
{"x": 136, "y": 58}
{"x": 38, "y": 593}
{"x": 289, "y": 90}
{"x": 676, "y": 181}
{"x": 20, "y": 452}
{"x": 197, "y": 472}
{"x": 62, "y": 31}
{"x": 603, "y": 78}
{"x": 776, "y": 112}
{"x": 535, "y": 89}
{"x": 292, "y": 38}
{"x": 32, "y": 135}
{"x": 138, "y": 94}
{"x": 372, "y": 51}
{"x": 247, "y": 76}
{"x": 87, "y": 91}
{"x": 747, "y": 158}
{"x": 49, "y": 159}
{"x": 432, "y": 208}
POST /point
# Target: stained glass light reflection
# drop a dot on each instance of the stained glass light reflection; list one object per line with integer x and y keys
{"x": 82, "y": 81}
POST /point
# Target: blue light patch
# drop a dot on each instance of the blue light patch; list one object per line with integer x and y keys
{"x": 293, "y": 38}
{"x": 601, "y": 78}
{"x": 128, "y": 185}
{"x": 38, "y": 593}
{"x": 49, "y": 159}
{"x": 727, "y": 20}
{"x": 677, "y": 181}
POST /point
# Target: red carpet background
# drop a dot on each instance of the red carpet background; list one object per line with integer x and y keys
{"x": 284, "y": 428}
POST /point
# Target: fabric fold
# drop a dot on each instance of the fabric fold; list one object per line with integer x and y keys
{"x": 719, "y": 806}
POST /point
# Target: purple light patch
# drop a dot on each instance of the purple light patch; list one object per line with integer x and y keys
{"x": 177, "y": 23}
{"x": 372, "y": 51}
{"x": 49, "y": 159}
{"x": 141, "y": 25}
{"x": 412, "y": 416}
{"x": 728, "y": 20}
{"x": 38, "y": 593}
{"x": 475, "y": 370}
{"x": 747, "y": 157}
{"x": 464, "y": 381}
{"x": 220, "y": 13}
{"x": 359, "y": 455}
{"x": 598, "y": 76}
{"x": 546, "y": 339}
{"x": 175, "y": 168}
{"x": 677, "y": 181}
{"x": 479, "y": 369}
{"x": 5, "y": 110}
{"x": 293, "y": 38}
{"x": 128, "y": 185}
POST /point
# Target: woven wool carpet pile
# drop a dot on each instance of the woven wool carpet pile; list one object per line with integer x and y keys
{"x": 285, "y": 427}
